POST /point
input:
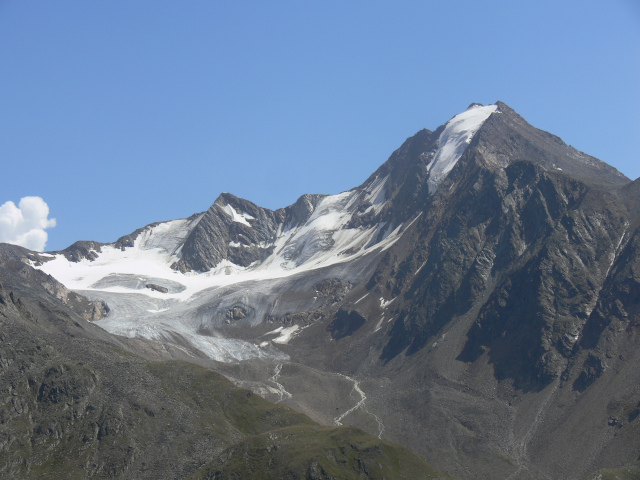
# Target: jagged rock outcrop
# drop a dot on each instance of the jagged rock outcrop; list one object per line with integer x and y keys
{"x": 233, "y": 229}
{"x": 15, "y": 259}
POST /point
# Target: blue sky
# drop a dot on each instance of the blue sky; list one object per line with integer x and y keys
{"x": 122, "y": 113}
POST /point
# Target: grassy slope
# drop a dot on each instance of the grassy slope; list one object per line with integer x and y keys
{"x": 311, "y": 451}
{"x": 630, "y": 472}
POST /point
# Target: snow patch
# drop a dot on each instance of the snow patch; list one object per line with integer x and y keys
{"x": 238, "y": 217}
{"x": 376, "y": 195}
{"x": 361, "y": 298}
{"x": 285, "y": 334}
{"x": 379, "y": 324}
{"x": 385, "y": 303}
{"x": 420, "y": 268}
{"x": 453, "y": 141}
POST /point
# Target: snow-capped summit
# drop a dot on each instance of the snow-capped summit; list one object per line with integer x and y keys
{"x": 454, "y": 139}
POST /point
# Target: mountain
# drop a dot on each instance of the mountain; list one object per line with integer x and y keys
{"x": 476, "y": 299}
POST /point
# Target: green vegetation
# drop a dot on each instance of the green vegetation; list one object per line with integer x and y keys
{"x": 314, "y": 452}
{"x": 83, "y": 409}
{"x": 631, "y": 472}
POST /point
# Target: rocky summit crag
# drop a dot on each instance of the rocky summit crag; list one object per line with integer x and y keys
{"x": 476, "y": 299}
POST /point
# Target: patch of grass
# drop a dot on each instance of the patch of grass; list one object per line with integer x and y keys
{"x": 307, "y": 451}
{"x": 625, "y": 473}
{"x": 220, "y": 401}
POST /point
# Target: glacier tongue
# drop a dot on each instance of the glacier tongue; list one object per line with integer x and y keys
{"x": 453, "y": 141}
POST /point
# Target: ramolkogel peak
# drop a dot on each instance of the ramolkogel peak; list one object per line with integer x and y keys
{"x": 507, "y": 138}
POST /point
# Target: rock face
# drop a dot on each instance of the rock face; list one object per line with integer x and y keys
{"x": 240, "y": 232}
{"x": 16, "y": 260}
{"x": 533, "y": 247}
{"x": 157, "y": 288}
{"x": 231, "y": 229}
{"x": 476, "y": 299}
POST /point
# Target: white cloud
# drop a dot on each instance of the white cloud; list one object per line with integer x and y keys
{"x": 25, "y": 224}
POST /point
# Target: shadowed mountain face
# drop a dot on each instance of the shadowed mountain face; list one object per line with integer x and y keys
{"x": 531, "y": 248}
{"x": 476, "y": 299}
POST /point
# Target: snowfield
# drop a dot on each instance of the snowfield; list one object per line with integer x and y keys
{"x": 453, "y": 141}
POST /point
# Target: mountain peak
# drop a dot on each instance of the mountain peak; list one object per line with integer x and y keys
{"x": 508, "y": 138}
{"x": 454, "y": 140}
{"x": 475, "y": 104}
